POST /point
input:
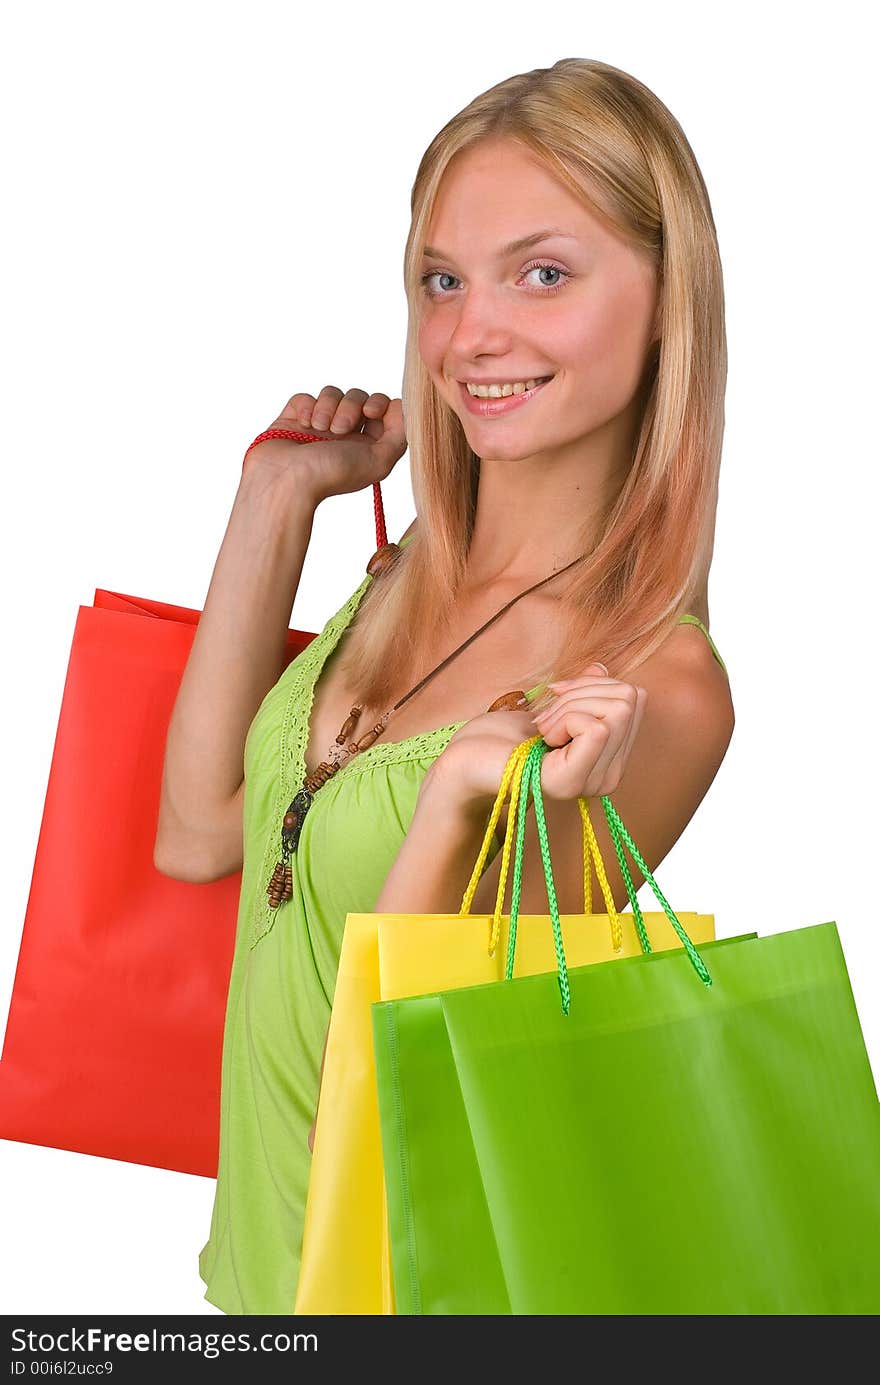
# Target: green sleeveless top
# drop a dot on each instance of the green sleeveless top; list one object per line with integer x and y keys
{"x": 284, "y": 969}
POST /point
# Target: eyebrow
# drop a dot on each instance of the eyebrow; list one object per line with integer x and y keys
{"x": 522, "y": 243}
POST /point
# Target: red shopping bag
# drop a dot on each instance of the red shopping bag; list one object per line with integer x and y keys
{"x": 114, "y": 1037}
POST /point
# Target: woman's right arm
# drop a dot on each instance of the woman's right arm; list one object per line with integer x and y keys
{"x": 237, "y": 656}
{"x": 238, "y": 650}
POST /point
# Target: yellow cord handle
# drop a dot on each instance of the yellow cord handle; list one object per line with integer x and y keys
{"x": 510, "y": 782}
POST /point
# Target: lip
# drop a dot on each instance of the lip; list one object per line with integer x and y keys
{"x": 488, "y": 408}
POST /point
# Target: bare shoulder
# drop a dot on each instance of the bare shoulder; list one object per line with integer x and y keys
{"x": 686, "y": 727}
{"x": 689, "y": 692}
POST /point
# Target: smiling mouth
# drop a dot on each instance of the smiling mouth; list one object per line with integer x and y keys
{"x": 483, "y": 406}
{"x": 529, "y": 381}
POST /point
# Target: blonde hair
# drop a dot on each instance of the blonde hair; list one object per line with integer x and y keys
{"x": 613, "y": 143}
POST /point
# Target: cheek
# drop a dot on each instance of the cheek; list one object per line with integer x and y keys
{"x": 611, "y": 346}
{"x": 431, "y": 340}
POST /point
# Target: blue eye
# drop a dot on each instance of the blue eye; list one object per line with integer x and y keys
{"x": 434, "y": 273}
{"x": 554, "y": 269}
{"x": 539, "y": 264}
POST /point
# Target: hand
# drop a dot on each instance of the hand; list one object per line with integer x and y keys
{"x": 366, "y": 441}
{"x": 590, "y": 728}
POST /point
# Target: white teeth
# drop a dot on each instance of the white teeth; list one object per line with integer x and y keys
{"x": 501, "y": 391}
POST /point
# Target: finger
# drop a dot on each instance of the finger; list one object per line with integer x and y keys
{"x": 602, "y": 778}
{"x": 325, "y": 406}
{"x": 570, "y": 770}
{"x": 608, "y": 770}
{"x": 576, "y": 725}
{"x": 615, "y": 769}
{"x": 298, "y": 408}
{"x": 563, "y": 691}
{"x": 601, "y": 701}
{"x": 349, "y": 411}
{"x": 375, "y": 411}
{"x": 596, "y": 670}
{"x": 389, "y": 436}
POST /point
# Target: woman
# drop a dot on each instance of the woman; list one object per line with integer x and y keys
{"x": 561, "y": 233}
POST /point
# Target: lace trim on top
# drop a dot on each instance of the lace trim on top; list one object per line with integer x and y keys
{"x": 304, "y": 672}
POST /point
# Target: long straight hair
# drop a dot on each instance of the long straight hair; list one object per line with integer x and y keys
{"x": 614, "y": 144}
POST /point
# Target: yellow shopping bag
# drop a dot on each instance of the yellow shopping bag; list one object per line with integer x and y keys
{"x": 346, "y": 1263}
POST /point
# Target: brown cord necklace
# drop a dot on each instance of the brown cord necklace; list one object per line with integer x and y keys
{"x": 280, "y": 887}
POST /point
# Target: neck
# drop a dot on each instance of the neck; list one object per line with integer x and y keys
{"x": 535, "y": 514}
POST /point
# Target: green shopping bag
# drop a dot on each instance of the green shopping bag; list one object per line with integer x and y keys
{"x": 423, "y": 1205}
{"x": 434, "y": 1186}
{"x": 665, "y": 1141}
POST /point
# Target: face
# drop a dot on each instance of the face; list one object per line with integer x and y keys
{"x": 578, "y": 306}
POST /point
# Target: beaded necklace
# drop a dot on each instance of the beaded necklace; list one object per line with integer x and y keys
{"x": 280, "y": 886}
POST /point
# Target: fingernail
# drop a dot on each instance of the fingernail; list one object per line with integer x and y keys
{"x": 338, "y": 427}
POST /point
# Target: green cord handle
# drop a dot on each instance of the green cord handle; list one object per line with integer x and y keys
{"x": 531, "y": 783}
{"x": 533, "y": 766}
{"x": 619, "y": 834}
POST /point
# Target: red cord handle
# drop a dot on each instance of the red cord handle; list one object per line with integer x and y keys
{"x": 296, "y": 436}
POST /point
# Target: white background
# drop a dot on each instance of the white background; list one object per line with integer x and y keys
{"x": 206, "y": 208}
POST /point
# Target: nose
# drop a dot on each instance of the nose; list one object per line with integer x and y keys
{"x": 482, "y": 327}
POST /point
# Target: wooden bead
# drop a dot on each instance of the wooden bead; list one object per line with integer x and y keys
{"x": 320, "y": 776}
{"x": 276, "y": 886}
{"x": 280, "y": 887}
{"x": 383, "y": 558}
{"x": 294, "y": 818}
{"x": 507, "y": 702}
{"x": 367, "y": 739}
{"x": 349, "y": 724}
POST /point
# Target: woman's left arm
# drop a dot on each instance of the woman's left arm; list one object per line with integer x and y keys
{"x": 685, "y": 730}
{"x": 657, "y": 762}
{"x": 660, "y": 755}
{"x": 436, "y": 858}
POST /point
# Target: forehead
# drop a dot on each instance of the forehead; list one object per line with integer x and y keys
{"x": 496, "y": 191}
